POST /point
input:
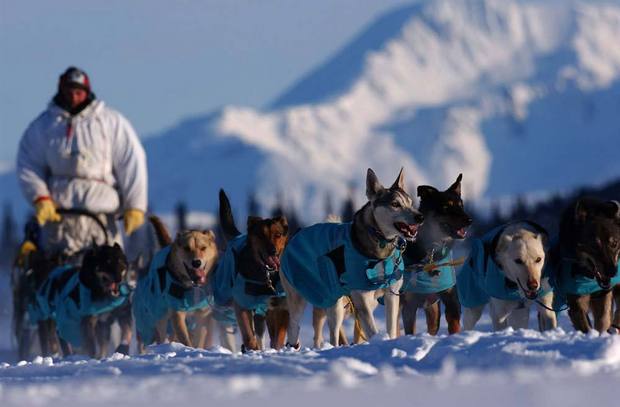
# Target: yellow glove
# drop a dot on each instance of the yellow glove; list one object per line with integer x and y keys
{"x": 24, "y": 251}
{"x": 45, "y": 211}
{"x": 132, "y": 220}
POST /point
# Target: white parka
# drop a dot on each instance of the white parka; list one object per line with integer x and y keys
{"x": 93, "y": 160}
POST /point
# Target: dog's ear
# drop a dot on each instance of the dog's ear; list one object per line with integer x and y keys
{"x": 456, "y": 187}
{"x": 117, "y": 246}
{"x": 373, "y": 186}
{"x": 503, "y": 243}
{"x": 253, "y": 220}
{"x": 611, "y": 209}
{"x": 425, "y": 191}
{"x": 581, "y": 211}
{"x": 400, "y": 180}
{"x": 209, "y": 234}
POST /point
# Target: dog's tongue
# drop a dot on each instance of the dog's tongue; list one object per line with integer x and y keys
{"x": 273, "y": 262}
{"x": 462, "y": 232}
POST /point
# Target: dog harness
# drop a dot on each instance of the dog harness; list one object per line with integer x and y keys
{"x": 422, "y": 282}
{"x": 481, "y": 277}
{"x": 158, "y": 291}
{"x": 232, "y": 285}
{"x": 69, "y": 304}
{"x": 322, "y": 264}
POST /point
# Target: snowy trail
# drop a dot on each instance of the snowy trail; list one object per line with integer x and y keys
{"x": 511, "y": 366}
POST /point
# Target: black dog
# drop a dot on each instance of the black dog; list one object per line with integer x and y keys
{"x": 445, "y": 221}
{"x": 84, "y": 297}
{"x": 586, "y": 261}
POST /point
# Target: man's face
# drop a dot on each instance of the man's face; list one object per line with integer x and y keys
{"x": 75, "y": 96}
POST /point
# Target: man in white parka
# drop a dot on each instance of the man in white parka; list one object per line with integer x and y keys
{"x": 80, "y": 154}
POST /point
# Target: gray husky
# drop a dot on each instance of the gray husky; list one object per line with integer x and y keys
{"x": 324, "y": 263}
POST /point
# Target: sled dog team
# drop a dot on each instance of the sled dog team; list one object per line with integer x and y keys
{"x": 391, "y": 253}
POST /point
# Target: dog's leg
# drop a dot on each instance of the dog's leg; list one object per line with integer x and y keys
{"x": 179, "y": 326}
{"x": 125, "y": 322}
{"x": 296, "y": 305}
{"x": 44, "y": 337}
{"x": 409, "y": 311}
{"x": 499, "y": 310}
{"x": 433, "y": 317}
{"x": 546, "y": 319}
{"x": 471, "y": 316}
{"x": 88, "y": 325}
{"x": 364, "y": 302}
{"x": 335, "y": 316}
{"x": 519, "y": 317}
{"x": 203, "y": 329}
{"x": 391, "y": 300}
{"x": 259, "y": 329}
{"x": 227, "y": 336}
{"x": 103, "y": 331}
{"x": 578, "y": 306}
{"x": 319, "y": 316}
{"x": 452, "y": 305}
{"x": 616, "y": 319}
{"x": 277, "y": 323}
{"x": 245, "y": 322}
{"x": 601, "y": 304}
{"x": 67, "y": 349}
{"x": 161, "y": 330}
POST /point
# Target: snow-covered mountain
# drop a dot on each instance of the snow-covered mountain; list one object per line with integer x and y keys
{"x": 519, "y": 96}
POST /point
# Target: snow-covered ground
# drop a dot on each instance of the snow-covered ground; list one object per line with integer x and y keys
{"x": 509, "y": 368}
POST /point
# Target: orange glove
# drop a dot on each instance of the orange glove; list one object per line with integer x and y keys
{"x": 45, "y": 211}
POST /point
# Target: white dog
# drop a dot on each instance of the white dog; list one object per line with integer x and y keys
{"x": 506, "y": 268}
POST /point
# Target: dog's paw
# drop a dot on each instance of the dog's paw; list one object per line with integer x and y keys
{"x": 123, "y": 349}
{"x": 613, "y": 330}
{"x": 295, "y": 347}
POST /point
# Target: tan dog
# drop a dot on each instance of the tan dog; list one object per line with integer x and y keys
{"x": 188, "y": 264}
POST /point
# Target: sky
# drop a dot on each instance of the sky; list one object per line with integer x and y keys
{"x": 161, "y": 61}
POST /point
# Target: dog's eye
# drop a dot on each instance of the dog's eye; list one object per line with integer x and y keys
{"x": 277, "y": 235}
{"x": 518, "y": 261}
{"x": 395, "y": 204}
{"x": 203, "y": 248}
{"x": 538, "y": 259}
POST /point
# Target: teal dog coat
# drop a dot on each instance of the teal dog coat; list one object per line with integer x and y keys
{"x": 321, "y": 263}
{"x": 158, "y": 291}
{"x": 232, "y": 285}
{"x": 421, "y": 282}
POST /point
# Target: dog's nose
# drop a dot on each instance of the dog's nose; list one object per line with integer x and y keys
{"x": 196, "y": 263}
{"x": 532, "y": 284}
{"x": 419, "y": 218}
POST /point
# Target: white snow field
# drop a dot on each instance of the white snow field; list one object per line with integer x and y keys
{"x": 509, "y": 368}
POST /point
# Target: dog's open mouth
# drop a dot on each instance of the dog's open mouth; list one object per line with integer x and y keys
{"x": 272, "y": 263}
{"x": 454, "y": 232}
{"x": 198, "y": 275}
{"x": 409, "y": 232}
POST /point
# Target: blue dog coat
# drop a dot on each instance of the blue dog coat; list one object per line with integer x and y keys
{"x": 44, "y": 307}
{"x": 158, "y": 291}
{"x": 74, "y": 302}
{"x": 422, "y": 282}
{"x": 321, "y": 263}
{"x": 567, "y": 282}
{"x": 233, "y": 285}
{"x": 481, "y": 278}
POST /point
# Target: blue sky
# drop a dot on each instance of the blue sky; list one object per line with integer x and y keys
{"x": 160, "y": 61}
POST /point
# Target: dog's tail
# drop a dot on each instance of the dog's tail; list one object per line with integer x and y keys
{"x": 227, "y": 222}
{"x": 163, "y": 237}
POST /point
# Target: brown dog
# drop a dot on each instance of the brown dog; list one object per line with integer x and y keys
{"x": 252, "y": 265}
